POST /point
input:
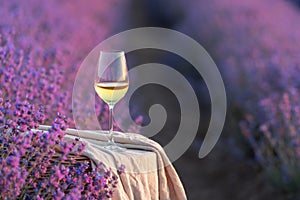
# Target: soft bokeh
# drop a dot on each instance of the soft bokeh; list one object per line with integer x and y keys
{"x": 254, "y": 43}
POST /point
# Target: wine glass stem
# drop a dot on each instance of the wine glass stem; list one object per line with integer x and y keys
{"x": 110, "y": 124}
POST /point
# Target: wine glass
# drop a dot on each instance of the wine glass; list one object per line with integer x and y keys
{"x": 111, "y": 84}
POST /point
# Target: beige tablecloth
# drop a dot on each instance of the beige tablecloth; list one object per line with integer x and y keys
{"x": 148, "y": 171}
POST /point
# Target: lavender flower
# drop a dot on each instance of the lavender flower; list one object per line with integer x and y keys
{"x": 258, "y": 53}
{"x": 38, "y": 66}
{"x": 36, "y": 164}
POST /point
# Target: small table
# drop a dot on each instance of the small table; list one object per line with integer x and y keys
{"x": 148, "y": 171}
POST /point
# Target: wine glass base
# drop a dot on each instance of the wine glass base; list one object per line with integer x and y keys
{"x": 113, "y": 147}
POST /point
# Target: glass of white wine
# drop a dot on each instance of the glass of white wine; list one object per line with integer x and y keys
{"x": 111, "y": 84}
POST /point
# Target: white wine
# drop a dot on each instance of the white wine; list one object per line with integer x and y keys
{"x": 111, "y": 92}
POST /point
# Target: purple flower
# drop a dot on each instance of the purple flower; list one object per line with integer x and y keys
{"x": 262, "y": 80}
{"x": 38, "y": 68}
{"x": 13, "y": 161}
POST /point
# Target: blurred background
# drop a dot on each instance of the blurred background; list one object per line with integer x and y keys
{"x": 255, "y": 45}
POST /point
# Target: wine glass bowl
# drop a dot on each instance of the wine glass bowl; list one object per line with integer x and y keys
{"x": 111, "y": 92}
{"x": 111, "y": 84}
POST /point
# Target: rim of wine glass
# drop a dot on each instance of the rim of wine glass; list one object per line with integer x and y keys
{"x": 112, "y": 51}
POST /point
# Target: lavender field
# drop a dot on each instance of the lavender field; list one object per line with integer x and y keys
{"x": 255, "y": 44}
{"x": 41, "y": 47}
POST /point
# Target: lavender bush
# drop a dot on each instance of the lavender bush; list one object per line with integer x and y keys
{"x": 39, "y": 165}
{"x": 41, "y": 46}
{"x": 41, "y": 50}
{"x": 256, "y": 45}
